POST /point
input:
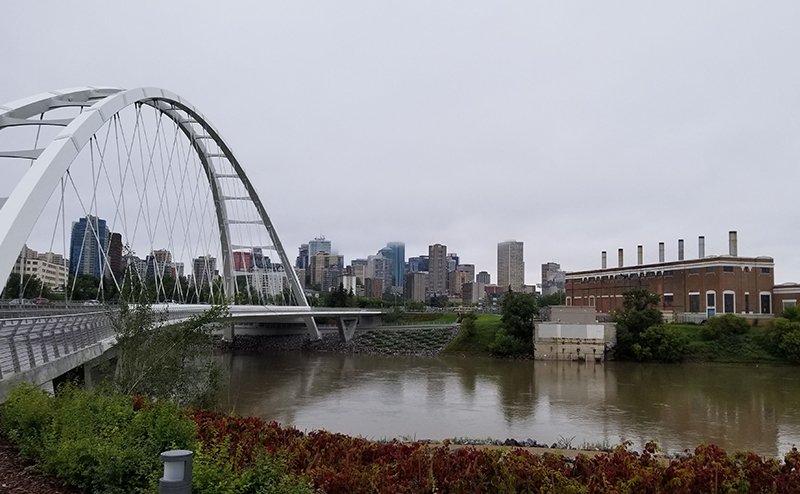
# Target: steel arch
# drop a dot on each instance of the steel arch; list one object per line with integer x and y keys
{"x": 100, "y": 104}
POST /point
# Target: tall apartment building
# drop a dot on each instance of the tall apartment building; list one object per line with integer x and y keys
{"x": 88, "y": 243}
{"x": 437, "y": 269}
{"x": 320, "y": 262}
{"x": 484, "y": 277}
{"x": 510, "y": 265}
{"x": 380, "y": 267}
{"x": 463, "y": 273}
{"x": 48, "y": 267}
{"x": 553, "y": 278}
{"x": 358, "y": 268}
{"x": 203, "y": 270}
{"x": 414, "y": 287}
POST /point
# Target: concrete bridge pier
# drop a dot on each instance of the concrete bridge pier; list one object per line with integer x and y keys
{"x": 347, "y": 327}
{"x": 228, "y": 331}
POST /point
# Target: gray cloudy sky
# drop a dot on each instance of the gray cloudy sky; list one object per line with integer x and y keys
{"x": 575, "y": 127}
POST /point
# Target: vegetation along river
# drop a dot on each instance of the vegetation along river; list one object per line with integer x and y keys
{"x": 755, "y": 408}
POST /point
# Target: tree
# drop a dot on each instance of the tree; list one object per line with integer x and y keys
{"x": 27, "y": 286}
{"x": 518, "y": 310}
{"x": 725, "y": 325}
{"x": 167, "y": 361}
{"x": 558, "y": 298}
{"x": 638, "y": 313}
{"x": 468, "y": 324}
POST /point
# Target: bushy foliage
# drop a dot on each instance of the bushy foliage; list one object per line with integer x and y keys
{"x": 167, "y": 362}
{"x": 639, "y": 312}
{"x": 782, "y": 338}
{"x": 467, "y": 327}
{"x": 97, "y": 442}
{"x": 340, "y": 464}
{"x": 662, "y": 343}
{"x": 505, "y": 345}
{"x": 724, "y": 325}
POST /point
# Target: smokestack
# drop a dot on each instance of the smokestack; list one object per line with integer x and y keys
{"x": 733, "y": 246}
{"x": 620, "y": 258}
{"x": 701, "y": 247}
{"x": 661, "y": 252}
{"x": 680, "y": 249}
{"x": 639, "y": 255}
{"x": 604, "y": 259}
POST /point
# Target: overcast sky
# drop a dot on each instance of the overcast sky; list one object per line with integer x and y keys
{"x": 574, "y": 127}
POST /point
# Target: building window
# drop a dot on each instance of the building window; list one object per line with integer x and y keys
{"x": 765, "y": 270}
{"x": 710, "y": 270}
{"x": 747, "y": 303}
{"x": 694, "y": 302}
{"x": 591, "y": 300}
{"x": 667, "y": 272}
{"x": 727, "y": 269}
{"x": 746, "y": 269}
{"x": 667, "y": 300}
{"x": 569, "y": 300}
{"x": 766, "y": 303}
{"x": 788, "y": 303}
{"x": 728, "y": 302}
{"x": 694, "y": 270}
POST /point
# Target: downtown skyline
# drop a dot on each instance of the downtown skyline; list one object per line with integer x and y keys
{"x": 571, "y": 128}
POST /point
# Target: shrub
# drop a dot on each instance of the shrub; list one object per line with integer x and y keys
{"x": 660, "y": 342}
{"x": 725, "y": 325}
{"x": 782, "y": 338}
{"x": 506, "y": 345}
{"x": 26, "y": 418}
{"x": 94, "y": 441}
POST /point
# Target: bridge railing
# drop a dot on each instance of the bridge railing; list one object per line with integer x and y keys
{"x": 31, "y": 341}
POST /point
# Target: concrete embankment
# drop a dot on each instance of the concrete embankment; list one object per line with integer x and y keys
{"x": 426, "y": 341}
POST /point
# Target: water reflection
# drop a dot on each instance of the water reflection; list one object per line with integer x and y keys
{"x": 754, "y": 408}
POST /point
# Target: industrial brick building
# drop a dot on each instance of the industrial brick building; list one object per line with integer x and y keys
{"x": 689, "y": 289}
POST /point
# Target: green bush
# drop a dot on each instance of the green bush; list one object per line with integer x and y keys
{"x": 26, "y": 418}
{"x": 725, "y": 325}
{"x": 94, "y": 441}
{"x": 660, "y": 342}
{"x": 782, "y": 338}
{"x": 215, "y": 472}
{"x": 505, "y": 345}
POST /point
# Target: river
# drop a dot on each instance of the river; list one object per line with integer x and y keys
{"x": 755, "y": 408}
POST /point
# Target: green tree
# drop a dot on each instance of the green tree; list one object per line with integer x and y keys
{"x": 167, "y": 361}
{"x": 639, "y": 312}
{"x": 518, "y": 310}
{"x": 558, "y": 298}
{"x": 468, "y": 324}
{"x": 27, "y": 286}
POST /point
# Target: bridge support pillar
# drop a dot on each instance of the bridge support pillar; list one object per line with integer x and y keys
{"x": 313, "y": 330}
{"x": 347, "y": 327}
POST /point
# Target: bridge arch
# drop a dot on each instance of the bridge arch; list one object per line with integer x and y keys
{"x": 99, "y": 105}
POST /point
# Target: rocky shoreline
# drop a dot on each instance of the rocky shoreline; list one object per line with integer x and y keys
{"x": 419, "y": 342}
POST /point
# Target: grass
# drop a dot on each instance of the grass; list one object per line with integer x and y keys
{"x": 742, "y": 349}
{"x": 486, "y": 327}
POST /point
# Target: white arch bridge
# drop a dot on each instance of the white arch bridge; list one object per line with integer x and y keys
{"x": 111, "y": 194}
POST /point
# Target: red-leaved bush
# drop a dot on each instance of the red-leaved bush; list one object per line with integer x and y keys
{"x": 342, "y": 464}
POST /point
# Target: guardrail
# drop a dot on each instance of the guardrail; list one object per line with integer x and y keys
{"x": 28, "y": 342}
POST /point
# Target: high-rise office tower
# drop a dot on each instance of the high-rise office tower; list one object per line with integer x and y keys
{"x": 302, "y": 257}
{"x": 484, "y": 277}
{"x": 437, "y": 269}
{"x": 319, "y": 244}
{"x": 510, "y": 265}
{"x": 398, "y": 256}
{"x": 88, "y": 245}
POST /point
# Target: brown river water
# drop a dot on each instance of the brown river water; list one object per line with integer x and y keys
{"x": 755, "y": 408}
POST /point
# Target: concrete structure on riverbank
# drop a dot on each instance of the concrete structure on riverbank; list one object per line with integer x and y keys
{"x": 573, "y": 333}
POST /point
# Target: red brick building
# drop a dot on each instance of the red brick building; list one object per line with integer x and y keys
{"x": 705, "y": 286}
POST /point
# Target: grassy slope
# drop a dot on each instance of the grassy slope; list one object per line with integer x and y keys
{"x": 744, "y": 349}
{"x": 485, "y": 329}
